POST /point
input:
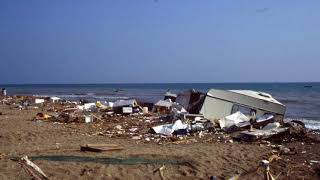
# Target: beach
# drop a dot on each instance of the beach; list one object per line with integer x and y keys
{"x": 164, "y": 90}
{"x": 54, "y": 147}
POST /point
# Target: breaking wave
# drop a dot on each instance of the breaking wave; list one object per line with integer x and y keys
{"x": 83, "y": 96}
{"x": 310, "y": 124}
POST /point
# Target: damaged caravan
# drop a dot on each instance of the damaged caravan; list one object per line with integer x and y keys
{"x": 220, "y": 103}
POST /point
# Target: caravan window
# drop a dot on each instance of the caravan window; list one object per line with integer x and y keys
{"x": 244, "y": 110}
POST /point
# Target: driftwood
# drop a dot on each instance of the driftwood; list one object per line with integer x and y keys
{"x": 161, "y": 169}
{"x": 100, "y": 147}
{"x": 32, "y": 169}
{"x": 70, "y": 110}
{"x": 96, "y": 117}
{"x": 264, "y": 164}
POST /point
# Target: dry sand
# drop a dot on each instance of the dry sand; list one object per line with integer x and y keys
{"x": 20, "y": 136}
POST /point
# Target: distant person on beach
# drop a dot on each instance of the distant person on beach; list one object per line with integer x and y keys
{"x": 253, "y": 118}
{"x": 4, "y": 91}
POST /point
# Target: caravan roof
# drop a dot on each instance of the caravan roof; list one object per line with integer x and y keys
{"x": 259, "y": 95}
{"x": 259, "y": 100}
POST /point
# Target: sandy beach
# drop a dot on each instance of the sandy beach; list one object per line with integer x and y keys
{"x": 54, "y": 147}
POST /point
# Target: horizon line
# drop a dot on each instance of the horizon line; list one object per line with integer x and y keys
{"x": 10, "y": 84}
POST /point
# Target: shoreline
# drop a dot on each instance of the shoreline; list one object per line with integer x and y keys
{"x": 302, "y": 103}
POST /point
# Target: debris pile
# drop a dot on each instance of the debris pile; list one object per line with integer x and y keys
{"x": 218, "y": 115}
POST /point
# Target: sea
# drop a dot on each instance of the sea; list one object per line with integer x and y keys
{"x": 301, "y": 99}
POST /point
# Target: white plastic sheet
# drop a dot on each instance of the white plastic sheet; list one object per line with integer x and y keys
{"x": 168, "y": 129}
{"x": 233, "y": 119}
{"x": 39, "y": 101}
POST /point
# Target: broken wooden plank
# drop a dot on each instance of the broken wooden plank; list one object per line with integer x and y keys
{"x": 32, "y": 169}
{"x": 161, "y": 169}
{"x": 100, "y": 147}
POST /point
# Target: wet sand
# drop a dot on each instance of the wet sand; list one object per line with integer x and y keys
{"x": 20, "y": 136}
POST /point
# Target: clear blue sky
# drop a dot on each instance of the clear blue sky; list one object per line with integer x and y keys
{"x": 137, "y": 41}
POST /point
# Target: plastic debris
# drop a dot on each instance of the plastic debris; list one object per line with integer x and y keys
{"x": 39, "y": 101}
{"x": 168, "y": 129}
{"x": 233, "y": 119}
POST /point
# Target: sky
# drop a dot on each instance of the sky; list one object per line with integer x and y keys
{"x": 159, "y": 41}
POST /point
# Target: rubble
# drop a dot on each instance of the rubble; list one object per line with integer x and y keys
{"x": 163, "y": 106}
{"x": 126, "y": 106}
{"x": 169, "y": 124}
{"x": 89, "y": 106}
{"x": 88, "y": 118}
{"x": 145, "y": 110}
{"x": 296, "y": 128}
{"x": 42, "y": 116}
{"x": 39, "y": 101}
{"x": 55, "y": 99}
{"x": 272, "y": 129}
{"x": 171, "y": 96}
{"x": 236, "y": 119}
{"x": 194, "y": 115}
{"x": 168, "y": 129}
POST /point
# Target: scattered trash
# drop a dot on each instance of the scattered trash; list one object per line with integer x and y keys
{"x": 65, "y": 118}
{"x": 121, "y": 105}
{"x": 127, "y": 110}
{"x": 201, "y": 124}
{"x": 90, "y": 107}
{"x": 88, "y": 118}
{"x": 271, "y": 126}
{"x": 119, "y": 127}
{"x": 315, "y": 162}
{"x": 233, "y": 119}
{"x": 191, "y": 113}
{"x": 39, "y": 101}
{"x": 163, "y": 106}
{"x": 136, "y": 137}
{"x": 54, "y": 99}
{"x": 296, "y": 128}
{"x": 170, "y": 96}
{"x": 269, "y": 131}
{"x": 133, "y": 129}
{"x": 168, "y": 129}
{"x": 286, "y": 151}
{"x": 145, "y": 110}
{"x": 42, "y": 116}
{"x": 264, "y": 120}
{"x": 190, "y": 117}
